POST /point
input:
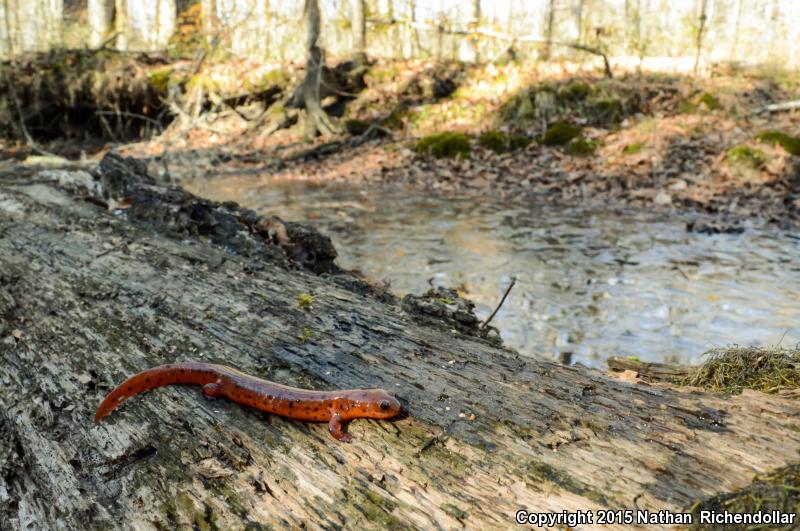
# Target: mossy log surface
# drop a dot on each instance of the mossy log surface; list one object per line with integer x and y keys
{"x": 89, "y": 296}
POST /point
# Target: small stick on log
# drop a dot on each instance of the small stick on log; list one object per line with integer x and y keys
{"x": 500, "y": 305}
{"x": 649, "y": 371}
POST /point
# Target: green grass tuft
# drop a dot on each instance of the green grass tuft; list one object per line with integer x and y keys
{"x": 734, "y": 369}
{"x": 777, "y": 490}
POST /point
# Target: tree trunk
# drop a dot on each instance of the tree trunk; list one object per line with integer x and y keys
{"x": 30, "y": 25}
{"x": 700, "y": 31}
{"x": 101, "y": 16}
{"x": 122, "y": 24}
{"x": 165, "y": 24}
{"x": 307, "y": 95}
{"x": 89, "y": 297}
{"x": 359, "y": 31}
{"x": 550, "y": 20}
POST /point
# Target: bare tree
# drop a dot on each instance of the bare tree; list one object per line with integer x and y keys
{"x": 307, "y": 95}
{"x": 551, "y": 11}
{"x": 101, "y": 16}
{"x": 475, "y": 24}
{"x": 121, "y": 23}
{"x": 359, "y": 31}
{"x": 700, "y": 31}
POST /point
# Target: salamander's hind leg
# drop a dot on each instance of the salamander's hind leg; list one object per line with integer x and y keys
{"x": 337, "y": 427}
{"x": 212, "y": 391}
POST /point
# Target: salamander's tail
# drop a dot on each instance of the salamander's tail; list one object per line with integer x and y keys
{"x": 188, "y": 373}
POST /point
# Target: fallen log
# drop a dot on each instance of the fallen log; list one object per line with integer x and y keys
{"x": 89, "y": 296}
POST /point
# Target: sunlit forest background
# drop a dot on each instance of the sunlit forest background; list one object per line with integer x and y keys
{"x": 686, "y": 109}
{"x": 746, "y": 31}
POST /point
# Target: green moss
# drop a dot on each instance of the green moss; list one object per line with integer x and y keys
{"x": 542, "y": 471}
{"x": 747, "y": 156}
{"x": 305, "y": 334}
{"x": 778, "y": 490}
{"x": 496, "y": 141}
{"x": 159, "y": 78}
{"x": 356, "y": 127}
{"x": 733, "y": 369}
{"x": 632, "y": 149}
{"x": 445, "y": 144}
{"x": 456, "y": 512}
{"x": 789, "y": 143}
{"x": 396, "y": 120}
{"x": 581, "y": 147}
{"x": 560, "y": 133}
{"x": 500, "y": 142}
{"x": 305, "y": 301}
{"x": 375, "y": 508}
{"x": 710, "y": 101}
{"x": 275, "y": 77}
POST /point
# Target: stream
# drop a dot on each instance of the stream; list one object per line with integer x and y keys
{"x": 590, "y": 283}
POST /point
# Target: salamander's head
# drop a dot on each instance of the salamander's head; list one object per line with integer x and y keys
{"x": 374, "y": 404}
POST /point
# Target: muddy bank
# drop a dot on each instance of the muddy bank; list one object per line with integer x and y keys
{"x": 90, "y": 295}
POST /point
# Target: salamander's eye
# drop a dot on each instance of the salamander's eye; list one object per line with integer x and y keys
{"x": 384, "y": 405}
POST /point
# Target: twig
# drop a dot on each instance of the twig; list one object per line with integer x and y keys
{"x": 28, "y": 138}
{"x": 508, "y": 290}
{"x": 108, "y": 41}
{"x": 778, "y": 107}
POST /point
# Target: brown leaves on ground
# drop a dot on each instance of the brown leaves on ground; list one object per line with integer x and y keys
{"x": 676, "y": 157}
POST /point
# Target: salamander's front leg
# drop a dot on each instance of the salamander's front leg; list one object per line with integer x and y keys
{"x": 337, "y": 426}
{"x": 212, "y": 391}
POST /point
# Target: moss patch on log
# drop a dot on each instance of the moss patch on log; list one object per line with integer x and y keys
{"x": 778, "y": 490}
{"x": 734, "y": 369}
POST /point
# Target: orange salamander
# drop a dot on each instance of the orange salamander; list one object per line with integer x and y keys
{"x": 334, "y": 407}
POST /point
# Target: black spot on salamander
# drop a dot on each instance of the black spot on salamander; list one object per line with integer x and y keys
{"x": 291, "y": 405}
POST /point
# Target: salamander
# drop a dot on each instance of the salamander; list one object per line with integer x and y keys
{"x": 334, "y": 407}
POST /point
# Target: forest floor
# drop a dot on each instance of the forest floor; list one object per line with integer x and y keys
{"x": 651, "y": 140}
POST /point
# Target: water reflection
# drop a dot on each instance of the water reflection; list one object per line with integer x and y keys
{"x": 593, "y": 283}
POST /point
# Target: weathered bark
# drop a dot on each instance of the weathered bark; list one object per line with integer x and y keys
{"x": 88, "y": 297}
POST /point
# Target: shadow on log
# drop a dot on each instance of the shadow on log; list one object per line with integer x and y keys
{"x": 90, "y": 296}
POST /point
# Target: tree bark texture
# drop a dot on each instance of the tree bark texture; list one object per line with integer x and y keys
{"x": 90, "y": 296}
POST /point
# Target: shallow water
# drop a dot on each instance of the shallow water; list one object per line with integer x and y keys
{"x": 591, "y": 283}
